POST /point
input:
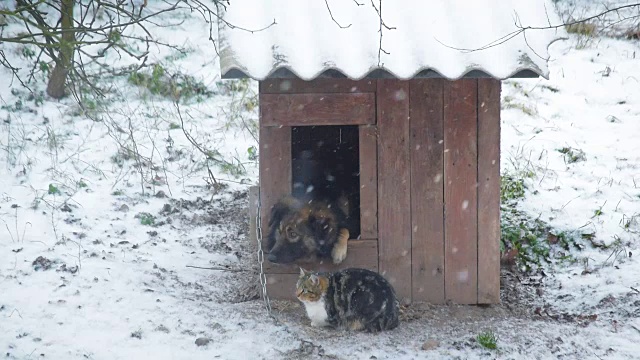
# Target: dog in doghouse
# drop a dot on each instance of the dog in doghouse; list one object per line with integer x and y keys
{"x": 312, "y": 223}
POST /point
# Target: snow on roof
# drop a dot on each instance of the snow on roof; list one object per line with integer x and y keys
{"x": 311, "y": 38}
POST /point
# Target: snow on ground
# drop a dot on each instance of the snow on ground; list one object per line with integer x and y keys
{"x": 592, "y": 106}
{"x": 95, "y": 240}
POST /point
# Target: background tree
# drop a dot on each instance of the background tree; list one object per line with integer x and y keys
{"x": 74, "y": 37}
{"x": 64, "y": 62}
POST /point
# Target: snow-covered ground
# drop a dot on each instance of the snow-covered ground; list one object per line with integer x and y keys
{"x": 591, "y": 106}
{"x": 100, "y": 221}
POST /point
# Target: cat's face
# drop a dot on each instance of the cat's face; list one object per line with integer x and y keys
{"x": 310, "y": 286}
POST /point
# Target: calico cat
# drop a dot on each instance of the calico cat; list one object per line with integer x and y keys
{"x": 350, "y": 299}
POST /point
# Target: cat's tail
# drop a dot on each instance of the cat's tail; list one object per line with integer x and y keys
{"x": 387, "y": 319}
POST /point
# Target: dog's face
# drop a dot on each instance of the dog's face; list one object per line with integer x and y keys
{"x": 293, "y": 238}
{"x": 297, "y": 231}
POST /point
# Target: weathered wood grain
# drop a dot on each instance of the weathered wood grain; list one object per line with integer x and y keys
{"x": 368, "y": 146}
{"x": 275, "y": 170}
{"x": 460, "y": 191}
{"x": 360, "y": 253}
{"x": 488, "y": 191}
{"x": 282, "y": 286}
{"x": 316, "y": 109}
{"x": 298, "y": 86}
{"x": 394, "y": 206}
{"x": 253, "y": 213}
{"x": 427, "y": 190}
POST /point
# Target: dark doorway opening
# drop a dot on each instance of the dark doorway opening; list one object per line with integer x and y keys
{"x": 326, "y": 160}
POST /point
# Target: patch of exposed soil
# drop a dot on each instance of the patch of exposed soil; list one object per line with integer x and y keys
{"x": 227, "y": 221}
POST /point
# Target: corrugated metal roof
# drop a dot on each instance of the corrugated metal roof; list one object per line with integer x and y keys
{"x": 423, "y": 38}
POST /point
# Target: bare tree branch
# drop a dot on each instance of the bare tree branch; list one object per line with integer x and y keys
{"x": 382, "y": 24}
{"x": 521, "y": 29}
{"x": 218, "y": 268}
{"x": 332, "y": 18}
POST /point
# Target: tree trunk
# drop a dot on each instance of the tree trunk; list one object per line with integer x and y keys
{"x": 57, "y": 81}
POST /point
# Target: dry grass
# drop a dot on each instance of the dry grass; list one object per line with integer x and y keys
{"x": 582, "y": 28}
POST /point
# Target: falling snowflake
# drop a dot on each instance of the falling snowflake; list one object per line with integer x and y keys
{"x": 285, "y": 85}
{"x": 463, "y": 276}
{"x": 400, "y": 95}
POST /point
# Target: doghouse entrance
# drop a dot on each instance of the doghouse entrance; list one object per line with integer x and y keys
{"x": 325, "y": 160}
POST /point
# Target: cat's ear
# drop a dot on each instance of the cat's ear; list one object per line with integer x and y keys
{"x": 302, "y": 271}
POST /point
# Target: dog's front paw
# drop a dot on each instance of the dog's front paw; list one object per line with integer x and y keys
{"x": 339, "y": 252}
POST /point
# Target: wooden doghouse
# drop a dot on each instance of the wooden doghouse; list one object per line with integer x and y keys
{"x": 428, "y": 145}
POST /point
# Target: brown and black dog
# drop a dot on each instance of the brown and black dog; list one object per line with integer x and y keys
{"x": 301, "y": 229}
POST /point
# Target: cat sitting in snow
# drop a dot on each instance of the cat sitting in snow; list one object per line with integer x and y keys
{"x": 350, "y": 299}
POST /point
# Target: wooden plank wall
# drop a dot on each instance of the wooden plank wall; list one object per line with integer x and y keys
{"x": 455, "y": 190}
{"x": 368, "y": 146}
{"x": 317, "y": 109}
{"x": 320, "y": 85}
{"x": 361, "y": 253}
{"x": 253, "y": 212}
{"x": 275, "y": 163}
{"x": 488, "y": 191}
{"x": 460, "y": 191}
{"x": 427, "y": 190}
{"x": 282, "y": 286}
{"x": 394, "y": 220}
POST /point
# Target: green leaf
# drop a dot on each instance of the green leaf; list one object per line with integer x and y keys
{"x": 53, "y": 190}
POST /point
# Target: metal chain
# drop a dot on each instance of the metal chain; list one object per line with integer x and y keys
{"x": 263, "y": 277}
{"x": 263, "y": 282}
